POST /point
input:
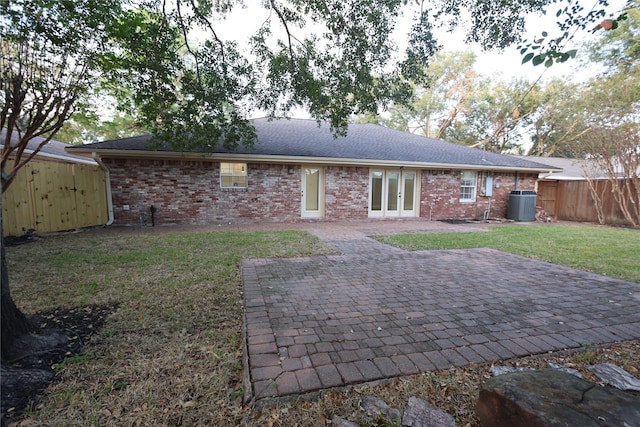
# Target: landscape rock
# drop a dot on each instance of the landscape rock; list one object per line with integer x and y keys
{"x": 341, "y": 422}
{"x": 553, "y": 398}
{"x": 420, "y": 413}
{"x": 501, "y": 370}
{"x": 615, "y": 376}
{"x": 565, "y": 369}
{"x": 374, "y": 406}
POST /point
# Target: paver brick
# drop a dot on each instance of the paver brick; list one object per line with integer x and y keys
{"x": 454, "y": 357}
{"x": 368, "y": 370}
{"x": 319, "y": 359}
{"x": 308, "y": 379}
{"x": 422, "y": 362}
{"x": 287, "y": 383}
{"x": 263, "y": 348}
{"x": 469, "y": 354}
{"x": 329, "y": 321}
{"x": 329, "y": 376}
{"x": 438, "y": 359}
{"x": 387, "y": 367}
{"x": 350, "y": 373}
{"x": 365, "y": 354}
{"x": 265, "y": 373}
{"x": 298, "y": 350}
{"x": 405, "y": 365}
{"x": 291, "y": 364}
{"x": 262, "y": 360}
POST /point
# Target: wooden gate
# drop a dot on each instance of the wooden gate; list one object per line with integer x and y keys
{"x": 547, "y": 196}
{"x": 49, "y": 196}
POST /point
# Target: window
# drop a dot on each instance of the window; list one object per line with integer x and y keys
{"x": 468, "y": 185}
{"x": 233, "y": 175}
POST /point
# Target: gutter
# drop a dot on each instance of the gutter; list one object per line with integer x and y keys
{"x": 269, "y": 158}
{"x": 107, "y": 177}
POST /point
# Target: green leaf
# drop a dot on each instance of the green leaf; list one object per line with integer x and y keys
{"x": 572, "y": 53}
{"x": 544, "y": 34}
{"x": 523, "y": 50}
{"x": 539, "y": 59}
{"x": 549, "y": 63}
{"x": 559, "y": 12}
{"x": 527, "y": 57}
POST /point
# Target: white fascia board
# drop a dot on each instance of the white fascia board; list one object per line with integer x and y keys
{"x": 58, "y": 157}
{"x": 265, "y": 158}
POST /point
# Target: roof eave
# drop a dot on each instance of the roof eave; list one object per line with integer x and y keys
{"x": 44, "y": 155}
{"x": 269, "y": 158}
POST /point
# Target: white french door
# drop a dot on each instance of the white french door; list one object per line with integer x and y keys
{"x": 392, "y": 192}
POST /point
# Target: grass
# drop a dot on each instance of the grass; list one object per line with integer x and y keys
{"x": 613, "y": 252}
{"x": 171, "y": 354}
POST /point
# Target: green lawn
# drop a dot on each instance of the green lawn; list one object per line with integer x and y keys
{"x": 170, "y": 352}
{"x": 609, "y": 251}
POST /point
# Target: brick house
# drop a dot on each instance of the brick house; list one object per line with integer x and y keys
{"x": 297, "y": 170}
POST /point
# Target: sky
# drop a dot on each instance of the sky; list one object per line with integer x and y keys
{"x": 507, "y": 63}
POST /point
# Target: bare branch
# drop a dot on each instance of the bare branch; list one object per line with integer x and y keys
{"x": 203, "y": 19}
{"x": 286, "y": 27}
{"x": 183, "y": 27}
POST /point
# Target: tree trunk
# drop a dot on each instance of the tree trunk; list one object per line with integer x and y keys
{"x": 14, "y": 323}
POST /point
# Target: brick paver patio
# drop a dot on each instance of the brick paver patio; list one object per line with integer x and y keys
{"x": 378, "y": 312}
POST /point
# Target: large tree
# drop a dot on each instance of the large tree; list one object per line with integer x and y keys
{"x": 569, "y": 110}
{"x": 332, "y": 57}
{"x": 50, "y": 53}
{"x": 440, "y": 101}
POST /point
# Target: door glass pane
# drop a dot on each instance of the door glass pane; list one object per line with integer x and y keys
{"x": 392, "y": 191}
{"x": 312, "y": 179}
{"x": 409, "y": 183}
{"x": 376, "y": 191}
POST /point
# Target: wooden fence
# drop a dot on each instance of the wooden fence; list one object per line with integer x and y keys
{"x": 572, "y": 201}
{"x": 49, "y": 196}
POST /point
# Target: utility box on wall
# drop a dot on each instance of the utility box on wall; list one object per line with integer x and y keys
{"x": 488, "y": 186}
{"x": 522, "y": 205}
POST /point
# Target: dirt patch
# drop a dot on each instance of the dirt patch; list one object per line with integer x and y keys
{"x": 24, "y": 378}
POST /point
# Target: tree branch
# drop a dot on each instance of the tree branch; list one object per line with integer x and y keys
{"x": 208, "y": 24}
{"x": 286, "y": 27}
{"x": 186, "y": 42}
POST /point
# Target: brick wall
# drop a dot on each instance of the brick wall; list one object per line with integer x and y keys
{"x": 346, "y": 192}
{"x": 440, "y": 197}
{"x": 188, "y": 192}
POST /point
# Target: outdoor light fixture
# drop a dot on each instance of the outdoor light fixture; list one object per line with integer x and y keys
{"x": 290, "y": 170}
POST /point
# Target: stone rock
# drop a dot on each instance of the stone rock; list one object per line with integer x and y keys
{"x": 341, "y": 422}
{"x": 420, "y": 413}
{"x": 501, "y": 370}
{"x": 374, "y": 406}
{"x": 565, "y": 369}
{"x": 553, "y": 398}
{"x": 615, "y": 376}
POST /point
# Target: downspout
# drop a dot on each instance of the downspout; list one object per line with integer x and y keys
{"x": 107, "y": 177}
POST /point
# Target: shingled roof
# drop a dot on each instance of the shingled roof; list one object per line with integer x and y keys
{"x": 288, "y": 140}
{"x": 54, "y": 150}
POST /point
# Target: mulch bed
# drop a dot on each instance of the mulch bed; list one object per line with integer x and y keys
{"x": 23, "y": 379}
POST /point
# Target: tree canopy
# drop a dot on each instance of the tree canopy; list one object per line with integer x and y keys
{"x": 330, "y": 57}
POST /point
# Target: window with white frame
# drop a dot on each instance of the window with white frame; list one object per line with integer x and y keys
{"x": 233, "y": 175}
{"x": 468, "y": 185}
